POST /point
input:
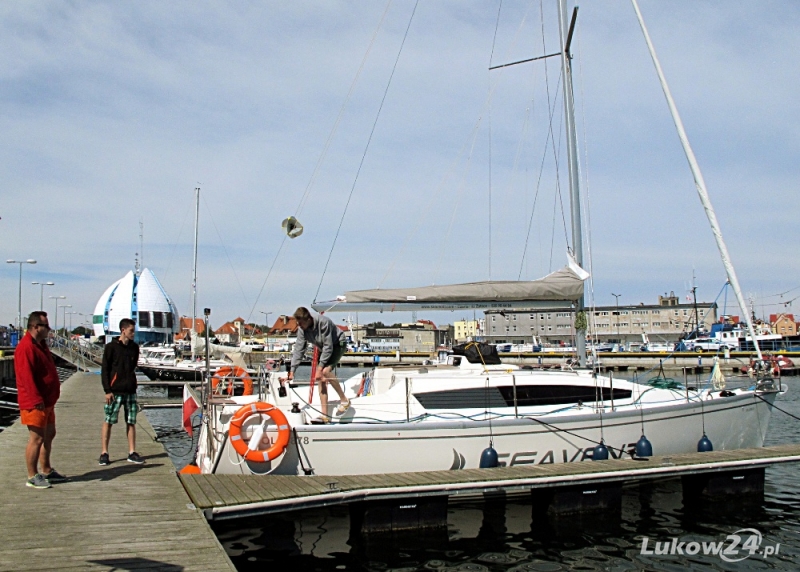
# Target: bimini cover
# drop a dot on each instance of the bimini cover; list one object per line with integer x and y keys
{"x": 561, "y": 285}
{"x": 478, "y": 352}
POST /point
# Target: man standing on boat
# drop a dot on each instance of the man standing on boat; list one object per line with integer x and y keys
{"x": 118, "y": 375}
{"x": 38, "y": 389}
{"x": 321, "y": 332}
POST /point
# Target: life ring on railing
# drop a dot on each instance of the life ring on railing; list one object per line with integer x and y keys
{"x": 259, "y": 455}
{"x": 230, "y": 373}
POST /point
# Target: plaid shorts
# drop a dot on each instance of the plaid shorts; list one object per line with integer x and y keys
{"x": 126, "y": 400}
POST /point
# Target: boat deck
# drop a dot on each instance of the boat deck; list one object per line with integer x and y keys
{"x": 118, "y": 517}
{"x": 232, "y": 496}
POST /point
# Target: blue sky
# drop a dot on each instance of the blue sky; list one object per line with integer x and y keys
{"x": 115, "y": 112}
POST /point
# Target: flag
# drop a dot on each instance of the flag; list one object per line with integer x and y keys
{"x": 190, "y": 405}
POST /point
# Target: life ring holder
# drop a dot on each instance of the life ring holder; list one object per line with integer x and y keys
{"x": 230, "y": 373}
{"x": 259, "y": 455}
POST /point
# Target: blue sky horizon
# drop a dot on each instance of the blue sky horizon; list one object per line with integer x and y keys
{"x": 114, "y": 113}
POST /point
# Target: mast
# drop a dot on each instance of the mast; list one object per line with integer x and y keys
{"x": 700, "y": 184}
{"x": 565, "y": 34}
{"x": 194, "y": 264}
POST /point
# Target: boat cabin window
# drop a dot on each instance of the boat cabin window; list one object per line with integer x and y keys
{"x": 527, "y": 396}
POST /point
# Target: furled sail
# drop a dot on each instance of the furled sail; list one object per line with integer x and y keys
{"x": 557, "y": 290}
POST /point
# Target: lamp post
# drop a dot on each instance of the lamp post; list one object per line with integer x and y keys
{"x": 617, "y": 296}
{"x": 57, "y": 298}
{"x": 70, "y": 320}
{"x": 266, "y": 337}
{"x": 20, "y": 262}
{"x": 41, "y": 292}
{"x": 64, "y": 307}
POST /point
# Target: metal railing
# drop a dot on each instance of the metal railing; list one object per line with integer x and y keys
{"x": 84, "y": 356}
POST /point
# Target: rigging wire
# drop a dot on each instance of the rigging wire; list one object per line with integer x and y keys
{"x": 491, "y": 56}
{"x": 364, "y": 155}
{"x": 587, "y": 202}
{"x": 323, "y": 154}
{"x": 538, "y": 186}
{"x": 225, "y": 250}
{"x": 469, "y": 139}
{"x": 334, "y": 129}
{"x": 177, "y": 241}
{"x": 552, "y": 139}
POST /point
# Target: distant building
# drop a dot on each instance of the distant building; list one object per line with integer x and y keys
{"x": 783, "y": 324}
{"x": 140, "y": 297}
{"x": 231, "y": 332}
{"x": 421, "y": 337}
{"x": 667, "y": 320}
{"x": 185, "y": 326}
{"x": 466, "y": 330}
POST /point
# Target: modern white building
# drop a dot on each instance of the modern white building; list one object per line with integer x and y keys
{"x": 140, "y": 297}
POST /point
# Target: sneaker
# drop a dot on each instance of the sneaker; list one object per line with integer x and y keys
{"x": 55, "y": 477}
{"x": 343, "y": 406}
{"x": 103, "y": 459}
{"x": 38, "y": 482}
{"x": 135, "y": 458}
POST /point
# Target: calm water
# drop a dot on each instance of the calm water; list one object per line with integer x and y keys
{"x": 506, "y": 535}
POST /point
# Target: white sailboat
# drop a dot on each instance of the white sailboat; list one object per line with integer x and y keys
{"x": 446, "y": 416}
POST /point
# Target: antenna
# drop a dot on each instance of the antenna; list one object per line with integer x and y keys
{"x": 141, "y": 246}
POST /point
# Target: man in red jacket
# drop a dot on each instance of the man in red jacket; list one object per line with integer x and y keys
{"x": 38, "y": 389}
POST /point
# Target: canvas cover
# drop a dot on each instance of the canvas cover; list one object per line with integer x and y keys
{"x": 562, "y": 285}
{"x": 478, "y": 352}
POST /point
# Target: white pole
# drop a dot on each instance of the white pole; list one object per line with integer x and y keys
{"x": 194, "y": 265}
{"x": 700, "y": 184}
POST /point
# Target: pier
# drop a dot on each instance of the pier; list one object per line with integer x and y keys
{"x": 232, "y": 496}
{"x": 117, "y": 517}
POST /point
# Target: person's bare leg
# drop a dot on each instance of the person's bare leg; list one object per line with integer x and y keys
{"x": 131, "y": 432}
{"x": 330, "y": 377}
{"x": 35, "y": 440}
{"x": 323, "y": 398}
{"x": 47, "y": 445}
{"x": 105, "y": 434}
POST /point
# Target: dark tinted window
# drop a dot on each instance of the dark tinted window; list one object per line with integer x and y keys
{"x": 529, "y": 395}
{"x": 158, "y": 319}
{"x": 144, "y": 319}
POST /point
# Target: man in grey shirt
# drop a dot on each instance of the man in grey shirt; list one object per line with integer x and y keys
{"x": 321, "y": 332}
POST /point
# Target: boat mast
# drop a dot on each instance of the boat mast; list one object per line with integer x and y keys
{"x": 565, "y": 34}
{"x": 194, "y": 266}
{"x": 700, "y": 184}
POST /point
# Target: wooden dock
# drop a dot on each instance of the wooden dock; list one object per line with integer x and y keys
{"x": 118, "y": 517}
{"x": 233, "y": 496}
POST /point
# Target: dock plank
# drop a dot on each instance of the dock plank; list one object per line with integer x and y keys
{"x": 143, "y": 503}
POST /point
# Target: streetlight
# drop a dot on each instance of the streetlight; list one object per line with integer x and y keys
{"x": 617, "y": 296}
{"x": 57, "y": 298}
{"x": 266, "y": 338}
{"x": 20, "y": 262}
{"x": 70, "y": 319}
{"x": 41, "y": 292}
{"x": 64, "y": 307}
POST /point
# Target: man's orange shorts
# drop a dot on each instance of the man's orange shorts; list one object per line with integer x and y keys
{"x": 38, "y": 417}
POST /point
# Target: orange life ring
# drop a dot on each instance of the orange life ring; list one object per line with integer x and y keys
{"x": 230, "y": 373}
{"x": 259, "y": 455}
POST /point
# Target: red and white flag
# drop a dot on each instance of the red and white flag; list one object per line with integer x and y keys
{"x": 190, "y": 405}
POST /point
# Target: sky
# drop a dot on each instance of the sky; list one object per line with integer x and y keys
{"x": 408, "y": 162}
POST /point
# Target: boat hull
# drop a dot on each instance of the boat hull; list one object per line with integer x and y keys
{"x": 734, "y": 422}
